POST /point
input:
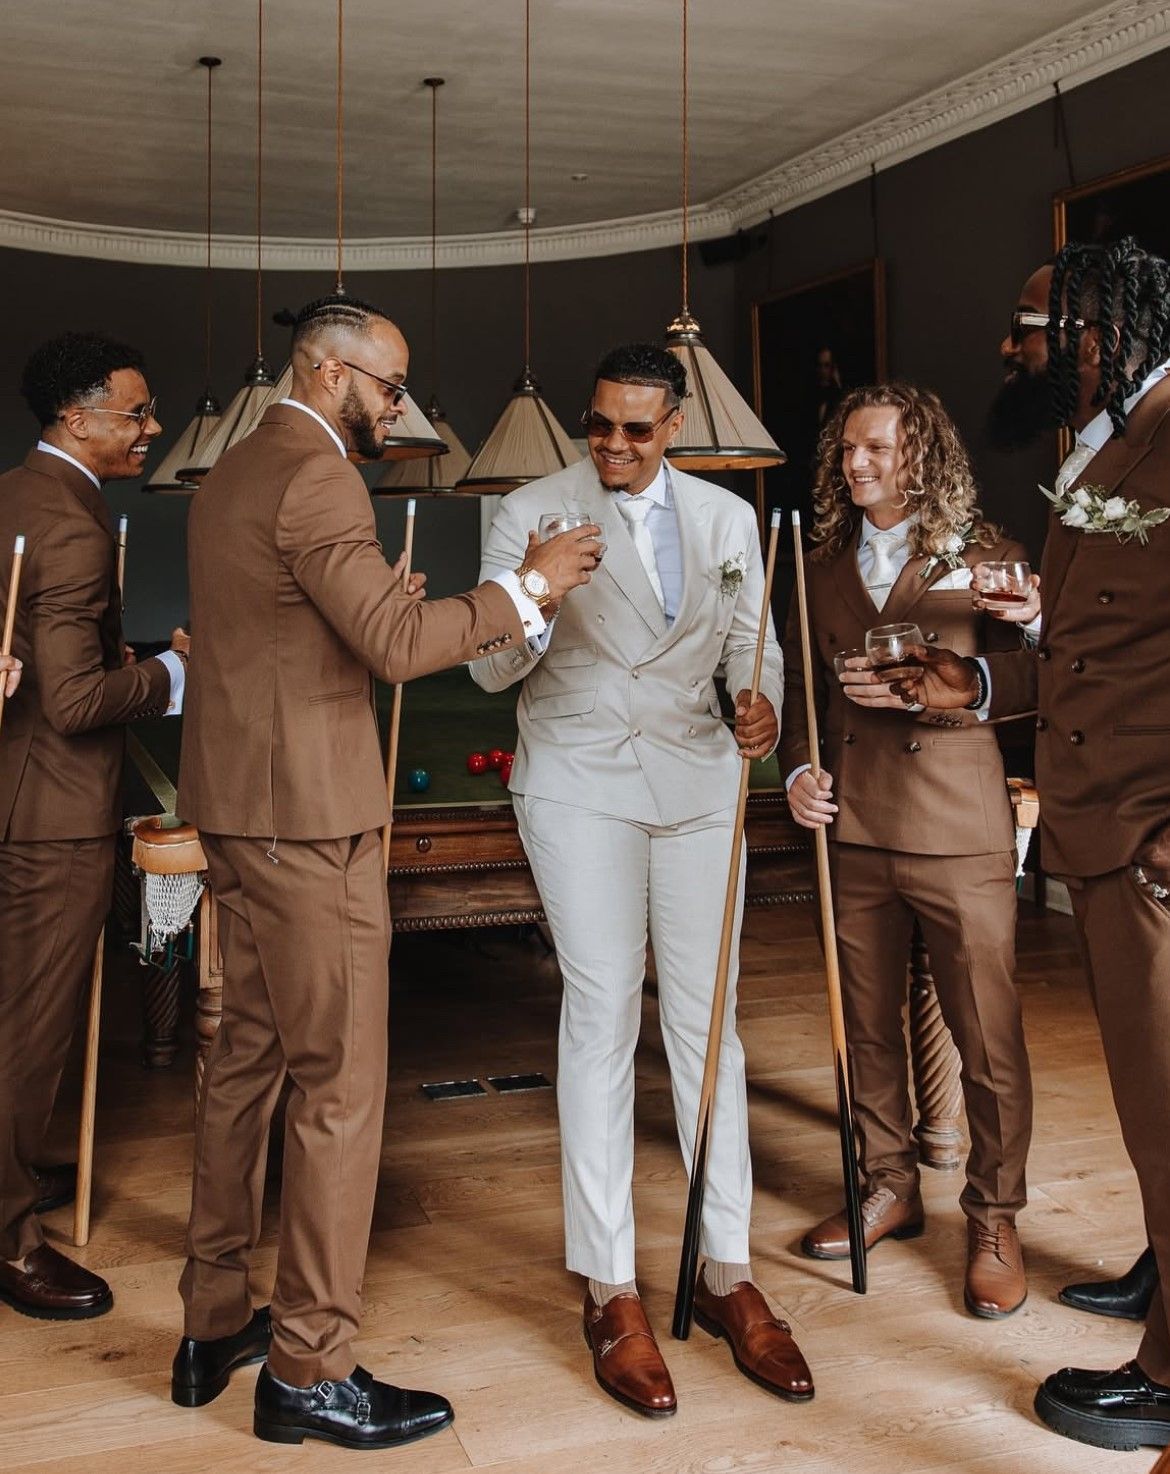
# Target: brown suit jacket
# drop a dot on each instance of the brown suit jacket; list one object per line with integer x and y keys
{"x": 61, "y": 742}
{"x": 1100, "y": 678}
{"x": 292, "y": 607}
{"x": 909, "y": 781}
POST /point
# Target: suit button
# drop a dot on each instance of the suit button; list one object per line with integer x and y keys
{"x": 1077, "y": 666}
{"x": 832, "y": 638}
{"x": 1104, "y": 597}
{"x": 634, "y": 673}
{"x": 914, "y": 747}
{"x": 1044, "y": 653}
{"x": 849, "y": 739}
{"x": 931, "y": 637}
{"x": 1042, "y": 724}
{"x": 1076, "y": 738}
{"x": 690, "y": 731}
{"x": 601, "y": 619}
{"x": 718, "y": 632}
{"x": 637, "y": 732}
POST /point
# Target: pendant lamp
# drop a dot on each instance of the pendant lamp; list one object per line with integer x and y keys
{"x": 720, "y": 432}
{"x": 165, "y": 477}
{"x": 526, "y": 441}
{"x": 238, "y": 419}
{"x": 436, "y": 474}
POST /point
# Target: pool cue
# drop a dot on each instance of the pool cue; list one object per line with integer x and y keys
{"x": 684, "y": 1300}
{"x": 10, "y": 611}
{"x": 396, "y": 704}
{"x": 123, "y": 524}
{"x": 85, "y": 1131}
{"x": 849, "y": 1165}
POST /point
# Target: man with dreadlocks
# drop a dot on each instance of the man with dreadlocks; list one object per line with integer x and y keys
{"x": 922, "y": 830}
{"x": 281, "y": 770}
{"x": 1089, "y": 347}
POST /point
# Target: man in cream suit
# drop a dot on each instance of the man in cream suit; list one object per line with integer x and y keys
{"x": 625, "y": 784}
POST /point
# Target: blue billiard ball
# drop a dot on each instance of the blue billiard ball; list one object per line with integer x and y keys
{"x": 419, "y": 780}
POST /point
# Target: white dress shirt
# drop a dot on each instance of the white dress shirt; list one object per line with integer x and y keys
{"x": 176, "y": 670}
{"x": 530, "y": 616}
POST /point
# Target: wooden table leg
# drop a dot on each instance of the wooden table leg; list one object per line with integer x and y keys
{"x": 935, "y": 1061}
{"x": 209, "y": 997}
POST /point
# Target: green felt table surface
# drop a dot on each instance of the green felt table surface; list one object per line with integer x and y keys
{"x": 444, "y": 717}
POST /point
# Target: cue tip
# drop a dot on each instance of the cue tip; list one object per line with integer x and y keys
{"x": 18, "y": 545}
{"x": 776, "y": 515}
{"x": 410, "y": 505}
{"x": 123, "y": 524}
{"x": 795, "y": 517}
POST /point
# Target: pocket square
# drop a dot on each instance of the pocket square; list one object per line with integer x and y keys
{"x": 958, "y": 578}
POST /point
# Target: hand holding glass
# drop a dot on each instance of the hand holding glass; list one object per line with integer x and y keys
{"x": 887, "y": 646}
{"x": 553, "y": 523}
{"x": 1005, "y": 584}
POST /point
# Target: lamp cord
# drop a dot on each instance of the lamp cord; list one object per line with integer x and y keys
{"x": 340, "y": 137}
{"x": 259, "y": 176}
{"x": 207, "y": 277}
{"x": 685, "y": 162}
{"x": 435, "y": 83}
{"x": 527, "y": 185}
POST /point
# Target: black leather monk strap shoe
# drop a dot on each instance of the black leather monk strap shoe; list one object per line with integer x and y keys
{"x": 201, "y": 1369}
{"x": 1127, "y": 1298}
{"x": 355, "y": 1413}
{"x": 56, "y": 1186}
{"x": 1121, "y": 1410}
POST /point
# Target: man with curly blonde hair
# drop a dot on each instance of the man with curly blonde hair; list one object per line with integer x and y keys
{"x": 922, "y": 829}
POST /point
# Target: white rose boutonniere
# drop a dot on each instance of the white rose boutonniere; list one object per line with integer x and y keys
{"x": 1092, "y": 509}
{"x": 951, "y": 552}
{"x": 731, "y": 572}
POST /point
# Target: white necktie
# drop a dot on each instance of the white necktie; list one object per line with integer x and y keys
{"x": 635, "y": 510}
{"x": 883, "y": 574}
{"x": 1072, "y": 465}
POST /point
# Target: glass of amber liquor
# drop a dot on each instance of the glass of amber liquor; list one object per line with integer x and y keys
{"x": 1005, "y": 584}
{"x": 887, "y": 645}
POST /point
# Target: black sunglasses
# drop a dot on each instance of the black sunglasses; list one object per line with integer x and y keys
{"x": 397, "y": 391}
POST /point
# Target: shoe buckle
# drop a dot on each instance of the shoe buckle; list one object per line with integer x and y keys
{"x": 363, "y": 1409}
{"x": 325, "y": 1392}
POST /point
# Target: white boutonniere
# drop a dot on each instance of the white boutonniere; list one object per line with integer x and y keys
{"x": 731, "y": 572}
{"x": 1092, "y": 509}
{"x": 951, "y": 552}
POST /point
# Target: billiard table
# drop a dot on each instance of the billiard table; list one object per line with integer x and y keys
{"x": 455, "y": 854}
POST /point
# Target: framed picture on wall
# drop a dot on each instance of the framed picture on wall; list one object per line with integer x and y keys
{"x": 810, "y": 343}
{"x": 1133, "y": 201}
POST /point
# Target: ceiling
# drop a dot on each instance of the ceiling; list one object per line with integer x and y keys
{"x": 107, "y": 102}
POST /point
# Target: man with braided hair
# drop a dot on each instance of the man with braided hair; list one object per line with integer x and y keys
{"x": 1089, "y": 347}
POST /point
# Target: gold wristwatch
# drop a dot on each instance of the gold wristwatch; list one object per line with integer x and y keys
{"x": 535, "y": 585}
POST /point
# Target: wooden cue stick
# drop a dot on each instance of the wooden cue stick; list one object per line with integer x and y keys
{"x": 85, "y": 1132}
{"x": 10, "y": 611}
{"x": 123, "y": 524}
{"x": 396, "y": 704}
{"x": 829, "y": 938}
{"x": 688, "y": 1263}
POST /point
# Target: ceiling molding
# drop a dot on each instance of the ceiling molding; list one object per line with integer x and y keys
{"x": 1111, "y": 37}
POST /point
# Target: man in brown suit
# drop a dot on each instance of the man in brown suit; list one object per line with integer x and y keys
{"x": 60, "y": 770}
{"x": 1089, "y": 347}
{"x": 921, "y": 826}
{"x": 282, "y": 772}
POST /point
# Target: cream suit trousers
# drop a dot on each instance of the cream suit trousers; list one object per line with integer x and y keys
{"x": 606, "y": 884}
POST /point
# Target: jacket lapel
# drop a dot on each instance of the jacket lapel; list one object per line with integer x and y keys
{"x": 909, "y": 587}
{"x": 621, "y": 563}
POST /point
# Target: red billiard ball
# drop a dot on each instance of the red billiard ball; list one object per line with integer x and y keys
{"x": 494, "y": 758}
{"x": 477, "y": 763}
{"x": 506, "y": 771}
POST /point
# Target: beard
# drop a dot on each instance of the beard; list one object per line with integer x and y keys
{"x": 362, "y": 426}
{"x": 1021, "y": 412}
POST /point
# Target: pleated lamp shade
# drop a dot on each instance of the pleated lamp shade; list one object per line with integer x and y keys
{"x": 525, "y": 443}
{"x": 720, "y": 432}
{"x": 235, "y": 422}
{"x": 165, "y": 478}
{"x": 436, "y": 475}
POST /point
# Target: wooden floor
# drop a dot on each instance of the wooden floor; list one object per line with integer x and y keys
{"x": 465, "y": 1290}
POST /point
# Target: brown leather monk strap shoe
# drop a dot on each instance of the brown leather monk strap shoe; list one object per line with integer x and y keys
{"x": 56, "y": 1186}
{"x": 50, "y": 1287}
{"x": 626, "y": 1360}
{"x": 761, "y": 1346}
{"x": 996, "y": 1285}
{"x": 885, "y": 1217}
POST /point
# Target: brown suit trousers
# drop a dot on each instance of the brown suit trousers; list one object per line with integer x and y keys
{"x": 54, "y": 895}
{"x": 966, "y": 907}
{"x": 305, "y": 945}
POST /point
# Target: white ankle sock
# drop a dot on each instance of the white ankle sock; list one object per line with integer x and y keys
{"x": 722, "y": 1277}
